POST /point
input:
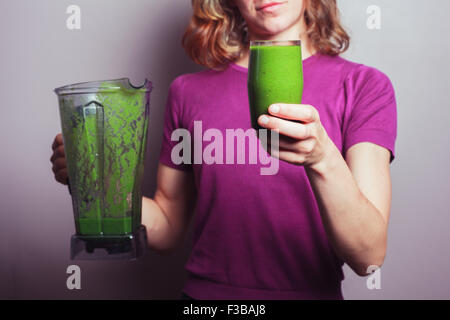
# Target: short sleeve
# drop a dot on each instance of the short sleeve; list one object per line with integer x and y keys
{"x": 371, "y": 111}
{"x": 172, "y": 121}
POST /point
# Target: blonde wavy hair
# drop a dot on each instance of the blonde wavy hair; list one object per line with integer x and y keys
{"x": 217, "y": 33}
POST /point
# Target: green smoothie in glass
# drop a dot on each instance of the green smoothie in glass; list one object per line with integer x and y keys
{"x": 275, "y": 75}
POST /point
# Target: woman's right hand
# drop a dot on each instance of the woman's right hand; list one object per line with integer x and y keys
{"x": 58, "y": 160}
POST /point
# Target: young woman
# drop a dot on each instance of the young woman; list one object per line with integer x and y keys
{"x": 282, "y": 236}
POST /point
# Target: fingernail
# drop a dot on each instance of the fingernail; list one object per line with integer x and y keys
{"x": 264, "y": 120}
{"x": 275, "y": 108}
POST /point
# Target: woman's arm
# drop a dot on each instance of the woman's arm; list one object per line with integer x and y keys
{"x": 167, "y": 216}
{"x": 354, "y": 200}
{"x": 353, "y": 197}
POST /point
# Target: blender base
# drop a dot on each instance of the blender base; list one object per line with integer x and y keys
{"x": 123, "y": 247}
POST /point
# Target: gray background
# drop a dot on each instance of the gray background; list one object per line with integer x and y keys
{"x": 141, "y": 38}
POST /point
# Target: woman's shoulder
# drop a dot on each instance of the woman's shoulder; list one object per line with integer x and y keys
{"x": 355, "y": 72}
{"x": 197, "y": 80}
{"x": 361, "y": 81}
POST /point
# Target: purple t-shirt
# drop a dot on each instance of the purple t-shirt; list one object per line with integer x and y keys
{"x": 261, "y": 236}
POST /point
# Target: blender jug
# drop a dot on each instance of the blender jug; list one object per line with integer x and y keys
{"x": 104, "y": 127}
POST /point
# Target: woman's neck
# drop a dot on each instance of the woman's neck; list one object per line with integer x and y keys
{"x": 289, "y": 34}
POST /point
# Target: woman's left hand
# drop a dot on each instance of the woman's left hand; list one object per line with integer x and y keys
{"x": 303, "y": 139}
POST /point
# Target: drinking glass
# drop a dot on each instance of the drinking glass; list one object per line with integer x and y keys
{"x": 275, "y": 75}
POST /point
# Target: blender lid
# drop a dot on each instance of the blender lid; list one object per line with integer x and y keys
{"x": 103, "y": 86}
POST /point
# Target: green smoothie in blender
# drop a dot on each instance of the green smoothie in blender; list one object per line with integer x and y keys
{"x": 105, "y": 138}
